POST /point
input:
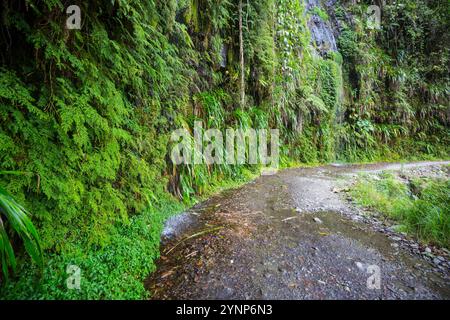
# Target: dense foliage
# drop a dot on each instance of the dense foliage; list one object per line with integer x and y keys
{"x": 86, "y": 114}
{"x": 397, "y": 79}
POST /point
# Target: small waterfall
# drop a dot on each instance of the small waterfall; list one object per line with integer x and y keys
{"x": 325, "y": 29}
{"x": 322, "y": 35}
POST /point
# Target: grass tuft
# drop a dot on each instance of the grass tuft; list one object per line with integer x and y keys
{"x": 421, "y": 206}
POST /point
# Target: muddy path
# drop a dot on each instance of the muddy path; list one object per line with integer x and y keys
{"x": 290, "y": 236}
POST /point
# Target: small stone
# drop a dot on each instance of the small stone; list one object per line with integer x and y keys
{"x": 317, "y": 220}
{"x": 395, "y": 227}
{"x": 427, "y": 249}
{"x": 268, "y": 171}
{"x": 360, "y": 266}
{"x": 436, "y": 261}
{"x": 229, "y": 291}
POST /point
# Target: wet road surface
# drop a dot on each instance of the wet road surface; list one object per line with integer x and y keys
{"x": 289, "y": 236}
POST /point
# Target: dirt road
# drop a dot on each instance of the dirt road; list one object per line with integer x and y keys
{"x": 291, "y": 235}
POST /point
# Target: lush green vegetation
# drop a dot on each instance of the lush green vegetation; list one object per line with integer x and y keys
{"x": 86, "y": 115}
{"x": 396, "y": 80}
{"x": 115, "y": 271}
{"x": 421, "y": 207}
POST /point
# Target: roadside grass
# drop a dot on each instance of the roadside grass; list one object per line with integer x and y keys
{"x": 420, "y": 206}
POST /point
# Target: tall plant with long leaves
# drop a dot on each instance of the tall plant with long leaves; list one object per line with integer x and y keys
{"x": 19, "y": 221}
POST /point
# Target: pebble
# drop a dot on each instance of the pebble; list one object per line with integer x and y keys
{"x": 360, "y": 266}
{"x": 394, "y": 227}
{"x": 436, "y": 261}
{"x": 229, "y": 291}
{"x": 317, "y": 220}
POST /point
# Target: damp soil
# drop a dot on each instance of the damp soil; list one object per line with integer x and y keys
{"x": 289, "y": 236}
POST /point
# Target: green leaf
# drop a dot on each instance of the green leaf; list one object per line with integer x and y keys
{"x": 18, "y": 219}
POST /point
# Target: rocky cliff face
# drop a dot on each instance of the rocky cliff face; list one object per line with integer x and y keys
{"x": 323, "y": 35}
